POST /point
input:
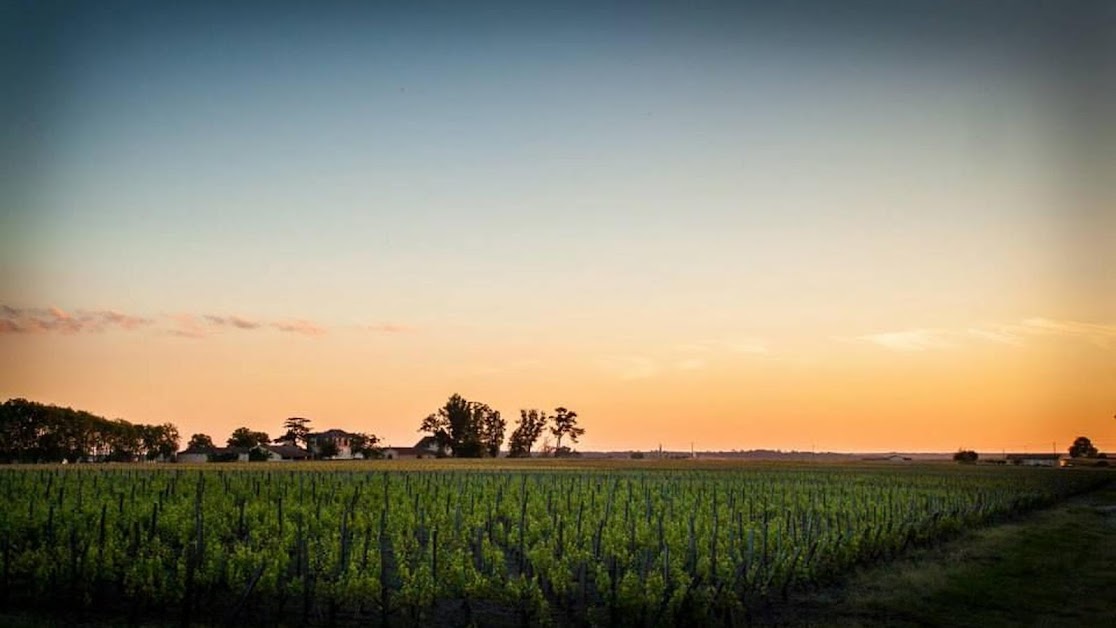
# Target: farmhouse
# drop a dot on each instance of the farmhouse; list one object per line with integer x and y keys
{"x": 195, "y": 454}
{"x": 425, "y": 448}
{"x": 1034, "y": 460}
{"x": 285, "y": 452}
{"x": 339, "y": 438}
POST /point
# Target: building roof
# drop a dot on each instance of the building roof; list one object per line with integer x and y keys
{"x": 407, "y": 451}
{"x": 426, "y": 443}
{"x": 195, "y": 449}
{"x": 331, "y": 433}
{"x": 288, "y": 451}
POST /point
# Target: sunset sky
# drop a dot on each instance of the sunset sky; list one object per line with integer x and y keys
{"x": 846, "y": 226}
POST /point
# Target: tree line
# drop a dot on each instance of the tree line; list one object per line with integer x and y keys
{"x": 471, "y": 429}
{"x": 36, "y": 432}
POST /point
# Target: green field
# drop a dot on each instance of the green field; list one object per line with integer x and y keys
{"x": 486, "y": 543}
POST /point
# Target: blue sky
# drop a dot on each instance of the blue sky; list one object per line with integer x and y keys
{"x": 593, "y": 179}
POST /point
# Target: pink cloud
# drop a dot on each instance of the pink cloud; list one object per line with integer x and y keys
{"x": 233, "y": 321}
{"x": 41, "y": 320}
{"x": 300, "y": 327}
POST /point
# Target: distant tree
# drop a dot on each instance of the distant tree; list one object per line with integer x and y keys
{"x": 491, "y": 427}
{"x": 637, "y": 455}
{"x": 1082, "y": 448}
{"x": 296, "y": 430}
{"x": 200, "y": 441}
{"x": 966, "y": 456}
{"x": 328, "y": 449}
{"x": 527, "y": 431}
{"x": 565, "y": 425}
{"x": 244, "y": 437}
{"x": 365, "y": 445}
{"x": 158, "y": 440}
{"x": 124, "y": 440}
{"x": 468, "y": 429}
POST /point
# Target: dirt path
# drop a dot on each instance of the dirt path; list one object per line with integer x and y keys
{"x": 1056, "y": 567}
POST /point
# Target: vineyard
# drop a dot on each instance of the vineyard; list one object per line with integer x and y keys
{"x": 460, "y": 545}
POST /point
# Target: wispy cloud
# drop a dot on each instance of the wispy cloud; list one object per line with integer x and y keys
{"x": 300, "y": 326}
{"x": 909, "y": 340}
{"x": 40, "y": 320}
{"x": 690, "y": 364}
{"x": 15, "y": 320}
{"x": 1100, "y": 334}
{"x": 233, "y": 321}
{"x": 1013, "y": 334}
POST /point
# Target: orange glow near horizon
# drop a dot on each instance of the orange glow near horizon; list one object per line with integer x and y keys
{"x": 848, "y": 396}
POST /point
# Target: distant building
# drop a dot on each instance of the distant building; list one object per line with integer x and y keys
{"x": 425, "y": 448}
{"x": 195, "y": 454}
{"x": 1033, "y": 460}
{"x": 284, "y": 452}
{"x": 340, "y": 438}
{"x": 891, "y": 458}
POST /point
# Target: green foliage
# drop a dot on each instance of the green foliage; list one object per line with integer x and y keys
{"x": 615, "y": 547}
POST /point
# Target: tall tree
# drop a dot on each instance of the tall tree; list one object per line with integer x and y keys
{"x": 491, "y": 427}
{"x": 200, "y": 441}
{"x": 159, "y": 440}
{"x": 296, "y": 430}
{"x": 1082, "y": 448}
{"x": 244, "y": 437}
{"x": 527, "y": 432}
{"x": 468, "y": 429}
{"x": 565, "y": 425}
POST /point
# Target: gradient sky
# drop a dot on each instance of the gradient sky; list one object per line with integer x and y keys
{"x": 855, "y": 227}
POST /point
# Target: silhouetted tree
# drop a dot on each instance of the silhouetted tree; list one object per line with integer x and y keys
{"x": 565, "y": 425}
{"x": 244, "y": 437}
{"x": 468, "y": 429}
{"x": 491, "y": 427}
{"x": 365, "y": 445}
{"x": 527, "y": 431}
{"x": 328, "y": 449}
{"x": 1082, "y": 447}
{"x": 200, "y": 441}
{"x": 35, "y": 432}
{"x": 967, "y": 456}
{"x": 296, "y": 430}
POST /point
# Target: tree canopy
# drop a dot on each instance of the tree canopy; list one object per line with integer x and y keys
{"x": 565, "y": 425}
{"x": 296, "y": 430}
{"x": 1082, "y": 447}
{"x": 527, "y": 432}
{"x": 244, "y": 437}
{"x": 469, "y": 429}
{"x": 200, "y": 441}
{"x": 36, "y": 432}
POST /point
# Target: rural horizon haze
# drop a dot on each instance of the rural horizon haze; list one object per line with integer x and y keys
{"x": 843, "y": 227}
